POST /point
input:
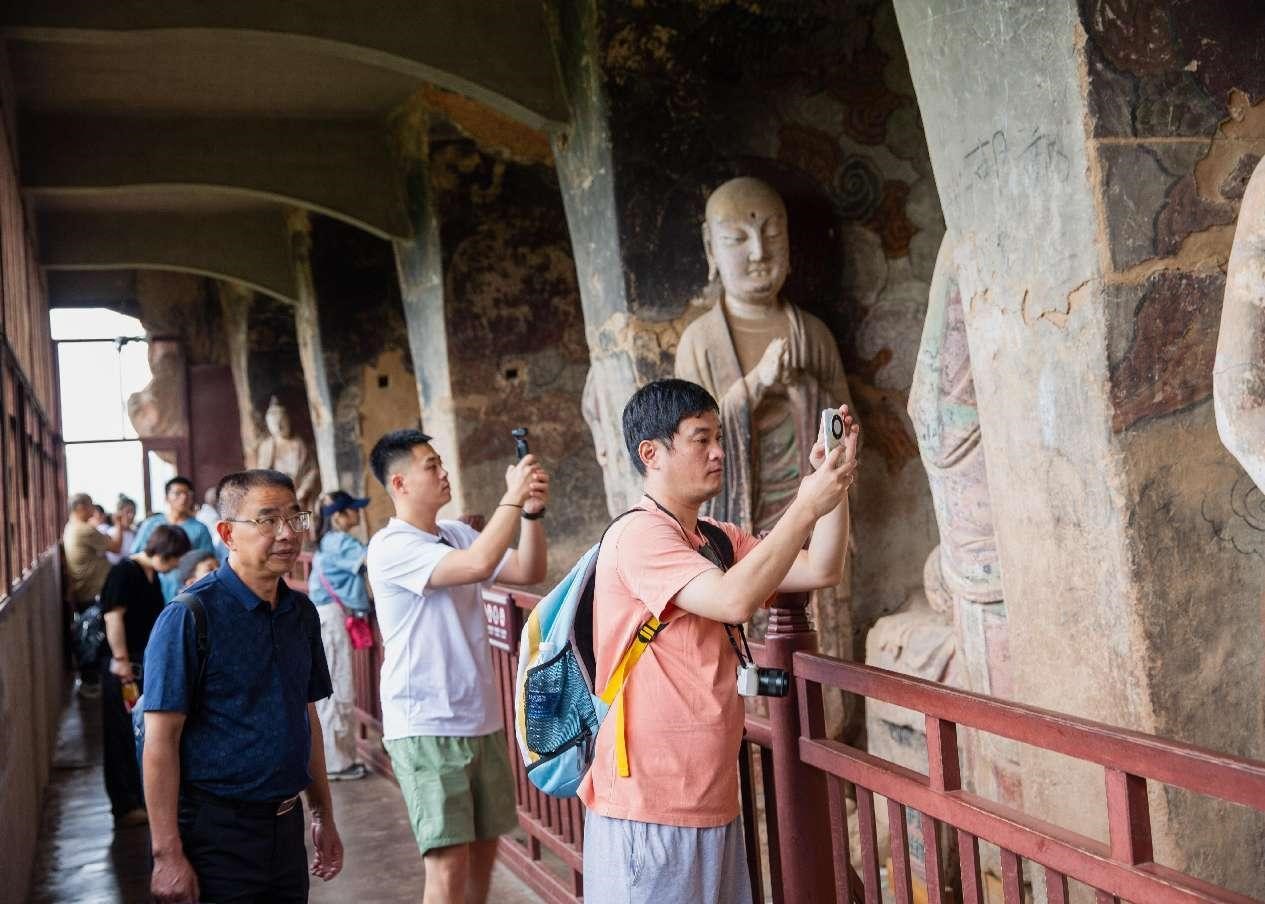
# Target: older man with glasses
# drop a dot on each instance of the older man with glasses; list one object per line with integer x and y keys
{"x": 232, "y": 734}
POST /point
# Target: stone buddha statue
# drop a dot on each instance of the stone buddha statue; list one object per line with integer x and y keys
{"x": 771, "y": 366}
{"x": 282, "y": 451}
{"x": 1238, "y": 374}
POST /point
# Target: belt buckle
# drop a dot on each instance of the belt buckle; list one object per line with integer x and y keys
{"x": 287, "y": 805}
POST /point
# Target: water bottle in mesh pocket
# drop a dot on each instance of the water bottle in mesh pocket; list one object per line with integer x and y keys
{"x": 559, "y": 704}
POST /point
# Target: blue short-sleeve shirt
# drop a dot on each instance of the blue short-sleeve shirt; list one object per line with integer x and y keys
{"x": 340, "y": 560}
{"x": 249, "y": 739}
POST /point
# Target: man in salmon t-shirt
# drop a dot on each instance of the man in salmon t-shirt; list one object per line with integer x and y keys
{"x": 668, "y": 831}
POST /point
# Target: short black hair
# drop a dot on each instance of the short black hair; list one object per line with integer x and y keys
{"x": 167, "y": 542}
{"x": 177, "y": 481}
{"x": 391, "y": 448}
{"x": 656, "y": 410}
{"x": 232, "y": 488}
{"x": 191, "y": 560}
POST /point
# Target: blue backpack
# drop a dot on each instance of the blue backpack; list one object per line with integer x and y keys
{"x": 557, "y": 709}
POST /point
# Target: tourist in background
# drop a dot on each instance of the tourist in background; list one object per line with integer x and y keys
{"x": 84, "y": 559}
{"x": 180, "y": 512}
{"x": 194, "y": 566}
{"x": 130, "y": 600}
{"x": 337, "y": 587}
{"x": 125, "y": 517}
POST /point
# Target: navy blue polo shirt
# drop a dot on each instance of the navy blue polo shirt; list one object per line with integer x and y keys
{"x": 249, "y": 739}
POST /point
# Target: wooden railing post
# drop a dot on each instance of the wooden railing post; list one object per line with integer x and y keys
{"x": 803, "y": 820}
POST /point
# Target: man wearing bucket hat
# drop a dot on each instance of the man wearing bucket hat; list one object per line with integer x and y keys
{"x": 337, "y": 587}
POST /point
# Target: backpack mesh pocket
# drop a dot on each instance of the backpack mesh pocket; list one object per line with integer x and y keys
{"x": 559, "y": 705}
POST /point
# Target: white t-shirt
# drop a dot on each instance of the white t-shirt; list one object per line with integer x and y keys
{"x": 437, "y": 676}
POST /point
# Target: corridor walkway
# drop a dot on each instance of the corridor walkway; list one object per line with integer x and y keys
{"x": 82, "y": 860}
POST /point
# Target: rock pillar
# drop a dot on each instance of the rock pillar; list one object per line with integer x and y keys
{"x": 419, "y": 266}
{"x": 307, "y": 327}
{"x": 1090, "y": 225}
{"x": 235, "y": 301}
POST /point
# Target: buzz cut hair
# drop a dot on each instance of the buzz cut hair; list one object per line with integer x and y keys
{"x": 233, "y": 488}
{"x": 393, "y": 448}
{"x": 77, "y": 500}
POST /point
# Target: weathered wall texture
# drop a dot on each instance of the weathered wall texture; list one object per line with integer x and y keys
{"x": 826, "y": 113}
{"x": 191, "y": 391}
{"x": 361, "y": 320}
{"x": 517, "y": 354}
{"x": 1176, "y": 95}
{"x": 32, "y": 686}
{"x": 388, "y": 401}
{"x": 1087, "y": 156}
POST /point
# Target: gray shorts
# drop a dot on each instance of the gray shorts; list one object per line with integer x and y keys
{"x": 628, "y": 862}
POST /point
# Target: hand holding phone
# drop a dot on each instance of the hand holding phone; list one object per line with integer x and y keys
{"x": 832, "y": 433}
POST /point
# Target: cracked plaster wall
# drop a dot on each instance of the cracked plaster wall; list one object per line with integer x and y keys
{"x": 1092, "y": 155}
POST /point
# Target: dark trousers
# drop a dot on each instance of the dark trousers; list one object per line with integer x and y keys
{"x": 244, "y": 857}
{"x": 122, "y": 774}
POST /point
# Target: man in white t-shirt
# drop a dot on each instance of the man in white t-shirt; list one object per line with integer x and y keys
{"x": 441, "y": 716}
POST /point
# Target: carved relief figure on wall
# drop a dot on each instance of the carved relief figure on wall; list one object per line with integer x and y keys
{"x": 281, "y": 450}
{"x": 943, "y": 409}
{"x": 771, "y": 366}
{"x": 963, "y": 573}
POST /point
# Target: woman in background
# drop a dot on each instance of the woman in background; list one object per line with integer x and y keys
{"x": 130, "y": 602}
{"x": 337, "y": 587}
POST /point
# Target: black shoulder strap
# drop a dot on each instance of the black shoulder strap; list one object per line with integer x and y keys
{"x": 714, "y": 535}
{"x": 191, "y": 602}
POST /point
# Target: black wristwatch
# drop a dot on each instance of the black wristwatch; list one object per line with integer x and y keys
{"x": 534, "y": 516}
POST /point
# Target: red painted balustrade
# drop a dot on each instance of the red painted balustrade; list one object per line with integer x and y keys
{"x": 795, "y": 783}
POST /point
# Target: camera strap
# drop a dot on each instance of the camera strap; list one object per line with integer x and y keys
{"x": 709, "y": 552}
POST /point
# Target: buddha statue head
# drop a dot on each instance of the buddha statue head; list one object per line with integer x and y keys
{"x": 277, "y": 419}
{"x": 745, "y": 237}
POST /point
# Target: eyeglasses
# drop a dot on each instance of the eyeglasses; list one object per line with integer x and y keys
{"x": 272, "y": 525}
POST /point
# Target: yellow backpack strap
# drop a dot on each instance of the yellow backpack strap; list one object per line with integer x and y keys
{"x": 612, "y": 695}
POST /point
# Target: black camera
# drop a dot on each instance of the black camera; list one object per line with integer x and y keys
{"x": 754, "y": 681}
{"x": 520, "y": 441}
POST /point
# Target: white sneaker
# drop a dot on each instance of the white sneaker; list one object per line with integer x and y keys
{"x": 351, "y": 773}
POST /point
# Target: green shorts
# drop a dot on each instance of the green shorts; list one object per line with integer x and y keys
{"x": 457, "y": 790}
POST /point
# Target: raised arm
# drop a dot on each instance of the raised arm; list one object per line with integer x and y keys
{"x": 734, "y": 596}
{"x": 528, "y": 564}
{"x": 821, "y": 565}
{"x": 477, "y": 564}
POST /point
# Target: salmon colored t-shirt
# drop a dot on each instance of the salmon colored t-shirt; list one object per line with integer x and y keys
{"x": 683, "y": 715}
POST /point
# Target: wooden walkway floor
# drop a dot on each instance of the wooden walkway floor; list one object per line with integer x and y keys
{"x": 82, "y": 859}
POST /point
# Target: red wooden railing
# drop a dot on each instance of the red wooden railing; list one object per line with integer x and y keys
{"x": 795, "y": 783}
{"x": 1122, "y": 869}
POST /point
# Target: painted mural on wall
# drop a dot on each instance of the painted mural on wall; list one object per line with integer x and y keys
{"x": 518, "y": 355}
{"x": 814, "y": 99}
{"x": 362, "y": 326}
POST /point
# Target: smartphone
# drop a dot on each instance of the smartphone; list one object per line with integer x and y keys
{"x": 520, "y": 441}
{"x": 831, "y": 429}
